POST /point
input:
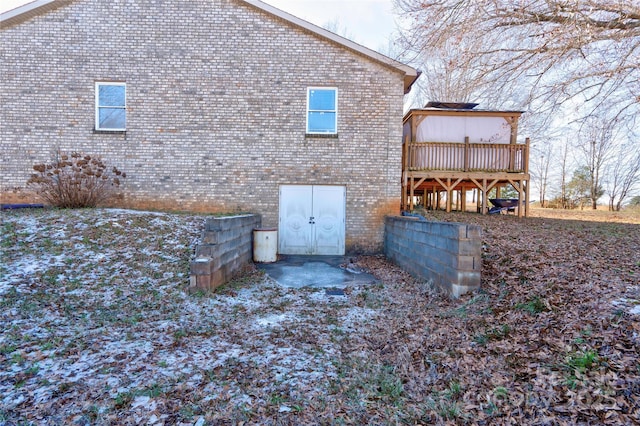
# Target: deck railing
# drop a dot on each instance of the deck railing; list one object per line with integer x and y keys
{"x": 466, "y": 157}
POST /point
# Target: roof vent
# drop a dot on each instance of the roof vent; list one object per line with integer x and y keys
{"x": 450, "y": 105}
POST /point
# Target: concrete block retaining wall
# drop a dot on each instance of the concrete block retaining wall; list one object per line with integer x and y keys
{"x": 447, "y": 253}
{"x": 225, "y": 248}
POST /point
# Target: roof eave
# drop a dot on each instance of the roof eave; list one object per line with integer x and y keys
{"x": 461, "y": 112}
{"x": 410, "y": 73}
{"x": 444, "y": 111}
{"x": 28, "y": 11}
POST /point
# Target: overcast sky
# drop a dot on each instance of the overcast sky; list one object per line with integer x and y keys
{"x": 368, "y": 22}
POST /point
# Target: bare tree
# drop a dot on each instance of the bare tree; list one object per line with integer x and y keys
{"x": 623, "y": 175}
{"x": 448, "y": 74}
{"x": 552, "y": 50}
{"x": 564, "y": 172}
{"x": 540, "y": 169}
{"x": 336, "y": 27}
{"x": 597, "y": 145}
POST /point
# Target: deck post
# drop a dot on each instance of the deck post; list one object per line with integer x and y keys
{"x": 411, "y": 194}
{"x": 484, "y": 196}
{"x": 526, "y": 198}
{"x": 520, "y": 199}
{"x": 449, "y": 195}
{"x": 463, "y": 199}
{"x": 466, "y": 153}
{"x": 519, "y": 186}
{"x": 434, "y": 196}
{"x": 526, "y": 155}
{"x": 405, "y": 170}
{"x": 405, "y": 154}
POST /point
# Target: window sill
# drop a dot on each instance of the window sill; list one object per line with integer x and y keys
{"x": 110, "y": 132}
{"x": 321, "y": 136}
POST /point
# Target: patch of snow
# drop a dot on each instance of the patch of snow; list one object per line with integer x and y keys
{"x": 117, "y": 319}
{"x": 144, "y": 402}
{"x": 127, "y": 212}
{"x": 632, "y": 306}
{"x": 275, "y": 319}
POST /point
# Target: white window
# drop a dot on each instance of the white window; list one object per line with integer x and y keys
{"x": 322, "y": 110}
{"x": 111, "y": 106}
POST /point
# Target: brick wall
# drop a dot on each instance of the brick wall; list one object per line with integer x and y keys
{"x": 447, "y": 253}
{"x": 225, "y": 248}
{"x": 216, "y": 107}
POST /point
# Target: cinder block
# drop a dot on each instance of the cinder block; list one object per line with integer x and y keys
{"x": 203, "y": 282}
{"x": 442, "y": 243}
{"x": 212, "y": 224}
{"x": 469, "y": 247}
{"x": 228, "y": 257}
{"x": 201, "y": 266}
{"x": 451, "y": 229}
{"x": 473, "y": 232}
{"x": 447, "y": 259}
{"x": 422, "y": 237}
{"x": 216, "y": 251}
{"x": 246, "y": 238}
{"x": 203, "y": 250}
{"x": 468, "y": 279}
{"x": 217, "y": 278}
{"x": 227, "y": 246}
{"x": 468, "y": 263}
{"x": 230, "y": 234}
{"x": 439, "y": 269}
{"x": 210, "y": 237}
{"x": 456, "y": 290}
{"x": 229, "y": 222}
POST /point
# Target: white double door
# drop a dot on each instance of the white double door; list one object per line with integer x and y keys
{"x": 312, "y": 219}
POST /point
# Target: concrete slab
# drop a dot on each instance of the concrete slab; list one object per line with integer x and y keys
{"x": 333, "y": 272}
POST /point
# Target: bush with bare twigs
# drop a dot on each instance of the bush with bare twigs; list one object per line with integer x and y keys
{"x": 75, "y": 181}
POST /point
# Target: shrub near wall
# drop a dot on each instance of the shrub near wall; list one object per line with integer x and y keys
{"x": 447, "y": 253}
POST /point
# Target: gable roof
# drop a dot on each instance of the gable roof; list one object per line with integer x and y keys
{"x": 39, "y": 7}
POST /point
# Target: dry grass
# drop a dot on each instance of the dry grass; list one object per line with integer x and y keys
{"x": 628, "y": 215}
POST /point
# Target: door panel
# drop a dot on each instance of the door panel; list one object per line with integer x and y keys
{"x": 295, "y": 210}
{"x": 312, "y": 219}
{"x": 328, "y": 213}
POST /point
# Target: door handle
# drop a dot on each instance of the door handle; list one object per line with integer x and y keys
{"x": 311, "y": 220}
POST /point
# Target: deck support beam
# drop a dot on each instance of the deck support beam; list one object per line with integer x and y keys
{"x": 449, "y": 188}
{"x": 484, "y": 190}
{"x": 411, "y": 194}
{"x": 432, "y": 185}
{"x": 463, "y": 199}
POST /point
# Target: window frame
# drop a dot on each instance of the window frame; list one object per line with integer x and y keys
{"x": 99, "y": 107}
{"x": 334, "y": 110}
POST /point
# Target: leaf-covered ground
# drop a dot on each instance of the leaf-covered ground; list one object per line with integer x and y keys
{"x": 97, "y": 329}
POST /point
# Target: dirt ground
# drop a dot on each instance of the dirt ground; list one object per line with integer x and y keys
{"x": 98, "y": 329}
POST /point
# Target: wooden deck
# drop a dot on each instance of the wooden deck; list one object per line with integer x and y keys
{"x": 432, "y": 170}
{"x": 466, "y": 157}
